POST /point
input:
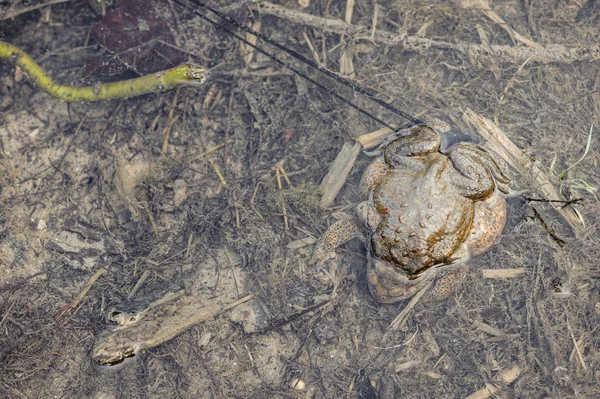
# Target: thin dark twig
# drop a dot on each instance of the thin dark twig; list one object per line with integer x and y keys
{"x": 551, "y": 232}
{"x": 303, "y": 59}
{"x": 564, "y": 202}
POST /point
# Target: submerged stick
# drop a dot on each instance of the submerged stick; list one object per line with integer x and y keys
{"x": 494, "y": 55}
{"x": 186, "y": 74}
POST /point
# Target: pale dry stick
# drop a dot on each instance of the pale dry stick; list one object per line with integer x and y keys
{"x": 31, "y": 8}
{"x": 217, "y": 101}
{"x": 503, "y": 273}
{"x": 484, "y": 7}
{"x": 237, "y": 211}
{"x": 283, "y": 208}
{"x": 497, "y": 334}
{"x": 423, "y": 31}
{"x": 407, "y": 365}
{"x": 349, "y": 11}
{"x": 500, "y": 54}
{"x": 347, "y": 63}
{"x": 432, "y": 346}
{"x": 167, "y": 133}
{"x": 532, "y": 171}
{"x": 432, "y": 374}
{"x": 311, "y": 48}
{"x": 576, "y": 347}
{"x": 155, "y": 120}
{"x": 302, "y": 242}
{"x": 350, "y": 389}
{"x": 238, "y": 302}
{"x": 146, "y": 207}
{"x": 486, "y": 328}
{"x": 189, "y": 246}
{"x": 231, "y": 372}
{"x": 375, "y": 18}
{"x": 139, "y": 284}
{"x": 213, "y": 149}
{"x": 246, "y": 51}
{"x": 338, "y": 173}
{"x": 505, "y": 377}
{"x": 373, "y": 139}
{"x": 504, "y": 337}
{"x": 83, "y": 292}
{"x": 376, "y": 137}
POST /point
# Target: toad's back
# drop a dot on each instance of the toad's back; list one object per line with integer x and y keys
{"x": 424, "y": 218}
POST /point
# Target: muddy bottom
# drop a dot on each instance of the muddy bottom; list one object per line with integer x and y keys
{"x": 209, "y": 197}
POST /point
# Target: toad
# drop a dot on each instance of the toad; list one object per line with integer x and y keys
{"x": 424, "y": 214}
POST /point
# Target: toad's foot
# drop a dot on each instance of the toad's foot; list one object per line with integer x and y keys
{"x": 446, "y": 283}
{"x": 388, "y": 284}
{"x": 337, "y": 234}
{"x": 439, "y": 286}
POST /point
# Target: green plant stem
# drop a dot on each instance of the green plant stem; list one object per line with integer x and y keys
{"x": 186, "y": 74}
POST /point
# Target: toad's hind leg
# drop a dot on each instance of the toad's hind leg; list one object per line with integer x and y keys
{"x": 337, "y": 234}
{"x": 372, "y": 176}
{"x": 488, "y": 223}
{"x": 446, "y": 283}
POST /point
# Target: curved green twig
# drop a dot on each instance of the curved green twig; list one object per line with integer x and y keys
{"x": 160, "y": 81}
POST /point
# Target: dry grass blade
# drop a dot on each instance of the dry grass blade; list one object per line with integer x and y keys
{"x": 503, "y": 273}
{"x": 507, "y": 376}
{"x": 373, "y": 139}
{"x": 83, "y": 292}
{"x": 576, "y": 347}
{"x": 400, "y": 320}
{"x": 587, "y": 150}
{"x": 407, "y": 366}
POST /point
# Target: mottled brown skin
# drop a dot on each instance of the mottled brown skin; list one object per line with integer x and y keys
{"x": 427, "y": 212}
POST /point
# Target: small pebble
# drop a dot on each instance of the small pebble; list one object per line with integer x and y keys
{"x": 297, "y": 384}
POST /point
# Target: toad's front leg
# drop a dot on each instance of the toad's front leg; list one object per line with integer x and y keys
{"x": 337, "y": 234}
{"x": 346, "y": 229}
